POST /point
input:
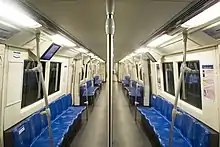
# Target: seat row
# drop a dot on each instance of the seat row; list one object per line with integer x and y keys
{"x": 89, "y": 90}
{"x": 33, "y": 131}
{"x": 188, "y": 132}
{"x": 134, "y": 90}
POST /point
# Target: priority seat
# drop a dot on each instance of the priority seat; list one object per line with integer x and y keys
{"x": 33, "y": 131}
{"x": 188, "y": 132}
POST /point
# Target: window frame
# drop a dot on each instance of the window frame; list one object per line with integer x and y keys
{"x": 81, "y": 74}
{"x": 25, "y": 95}
{"x": 141, "y": 74}
{"x": 165, "y": 84}
{"x": 137, "y": 72}
{"x": 57, "y": 86}
{"x": 86, "y": 70}
{"x": 186, "y": 99}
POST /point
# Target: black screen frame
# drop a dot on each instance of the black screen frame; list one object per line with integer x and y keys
{"x": 43, "y": 58}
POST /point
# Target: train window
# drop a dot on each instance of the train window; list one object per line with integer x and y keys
{"x": 82, "y": 73}
{"x": 54, "y": 81}
{"x": 30, "y": 89}
{"x": 141, "y": 76}
{"x": 168, "y": 78}
{"x": 137, "y": 70}
{"x": 192, "y": 84}
{"x": 158, "y": 76}
{"x": 86, "y": 71}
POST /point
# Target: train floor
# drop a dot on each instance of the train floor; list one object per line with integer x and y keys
{"x": 126, "y": 133}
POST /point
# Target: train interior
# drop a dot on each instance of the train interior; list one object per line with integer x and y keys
{"x": 152, "y": 83}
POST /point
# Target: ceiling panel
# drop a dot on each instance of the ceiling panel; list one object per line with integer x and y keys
{"x": 135, "y": 20}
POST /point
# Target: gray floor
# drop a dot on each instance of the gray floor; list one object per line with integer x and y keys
{"x": 126, "y": 132}
{"x": 94, "y": 133}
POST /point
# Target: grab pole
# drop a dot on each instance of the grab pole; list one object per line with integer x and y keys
{"x": 177, "y": 92}
{"x": 41, "y": 79}
{"x": 110, "y": 30}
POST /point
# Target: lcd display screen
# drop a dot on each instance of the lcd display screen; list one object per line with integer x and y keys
{"x": 50, "y": 52}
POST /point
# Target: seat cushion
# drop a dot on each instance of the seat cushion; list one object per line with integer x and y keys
{"x": 44, "y": 141}
{"x": 60, "y": 127}
{"x": 161, "y": 127}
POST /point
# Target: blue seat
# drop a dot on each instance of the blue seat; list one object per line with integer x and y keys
{"x": 22, "y": 135}
{"x": 97, "y": 81}
{"x": 90, "y": 90}
{"x": 188, "y": 132}
{"x": 134, "y": 92}
{"x": 126, "y": 81}
{"x": 33, "y": 131}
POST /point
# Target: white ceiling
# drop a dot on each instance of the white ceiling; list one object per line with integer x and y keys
{"x": 135, "y": 20}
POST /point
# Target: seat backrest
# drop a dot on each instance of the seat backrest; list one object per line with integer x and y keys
{"x": 169, "y": 111}
{"x": 141, "y": 89}
{"x": 201, "y": 135}
{"x": 164, "y": 107}
{"x": 44, "y": 121}
{"x": 59, "y": 106}
{"x": 89, "y": 83}
{"x": 69, "y": 99}
{"x": 35, "y": 125}
{"x": 22, "y": 134}
{"x": 82, "y": 89}
{"x": 153, "y": 100}
{"x": 133, "y": 84}
{"x": 179, "y": 120}
{"x": 160, "y": 104}
{"x": 53, "y": 110}
{"x": 187, "y": 126}
{"x": 127, "y": 78}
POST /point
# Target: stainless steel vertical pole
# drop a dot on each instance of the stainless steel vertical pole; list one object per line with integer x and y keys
{"x": 41, "y": 78}
{"x": 110, "y": 30}
{"x": 183, "y": 69}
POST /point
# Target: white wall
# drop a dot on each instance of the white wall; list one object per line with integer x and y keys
{"x": 2, "y": 50}
{"x": 78, "y": 65}
{"x": 209, "y": 112}
{"x": 13, "y": 81}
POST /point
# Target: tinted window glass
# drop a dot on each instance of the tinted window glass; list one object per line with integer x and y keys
{"x": 168, "y": 77}
{"x": 192, "y": 84}
{"x": 137, "y": 71}
{"x": 54, "y": 82}
{"x": 86, "y": 71}
{"x": 32, "y": 89}
{"x": 158, "y": 76}
{"x": 82, "y": 73}
{"x": 141, "y": 76}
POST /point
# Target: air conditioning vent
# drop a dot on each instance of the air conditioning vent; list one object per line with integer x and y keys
{"x": 214, "y": 32}
{"x": 194, "y": 8}
{"x": 7, "y": 32}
